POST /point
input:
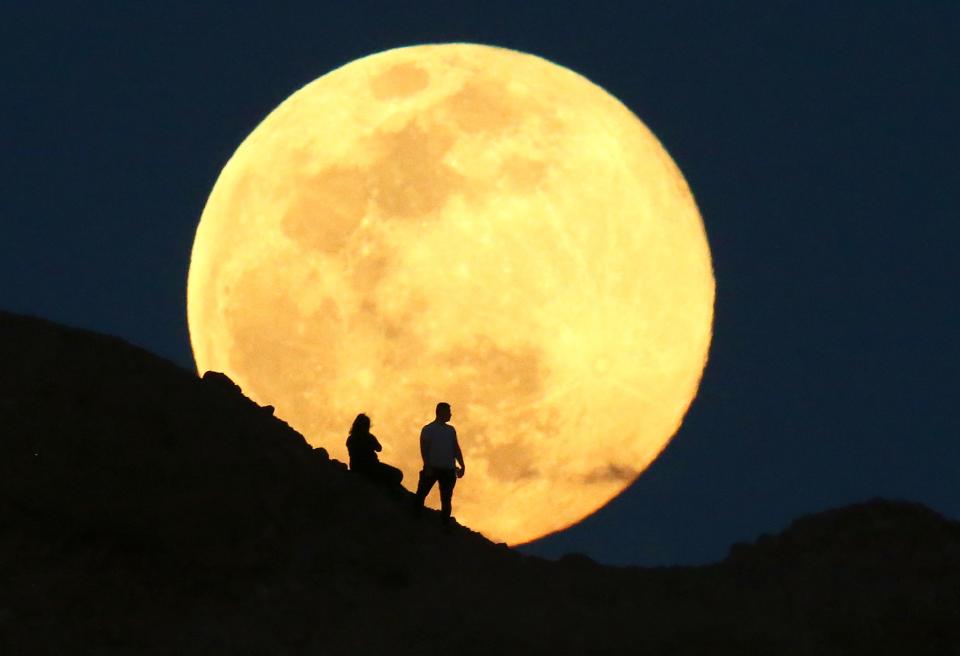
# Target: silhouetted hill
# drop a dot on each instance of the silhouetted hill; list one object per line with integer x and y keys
{"x": 144, "y": 510}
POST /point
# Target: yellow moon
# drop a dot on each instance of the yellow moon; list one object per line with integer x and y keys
{"x": 468, "y": 224}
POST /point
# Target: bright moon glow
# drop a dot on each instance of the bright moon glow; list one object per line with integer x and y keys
{"x": 467, "y": 224}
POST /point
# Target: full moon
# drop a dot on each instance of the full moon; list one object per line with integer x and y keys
{"x": 467, "y": 224}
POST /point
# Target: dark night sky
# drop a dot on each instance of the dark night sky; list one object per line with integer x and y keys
{"x": 820, "y": 140}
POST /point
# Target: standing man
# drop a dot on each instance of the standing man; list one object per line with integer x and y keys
{"x": 441, "y": 453}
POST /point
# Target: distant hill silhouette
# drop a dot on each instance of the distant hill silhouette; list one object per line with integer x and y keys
{"x": 144, "y": 510}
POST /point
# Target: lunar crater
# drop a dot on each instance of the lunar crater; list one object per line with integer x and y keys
{"x": 482, "y": 105}
{"x": 400, "y": 81}
{"x": 610, "y": 473}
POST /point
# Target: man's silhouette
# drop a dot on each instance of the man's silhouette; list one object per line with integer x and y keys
{"x": 441, "y": 453}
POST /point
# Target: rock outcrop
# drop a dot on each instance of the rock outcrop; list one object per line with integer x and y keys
{"x": 145, "y": 510}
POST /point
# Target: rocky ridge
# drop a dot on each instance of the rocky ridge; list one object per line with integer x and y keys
{"x": 145, "y": 510}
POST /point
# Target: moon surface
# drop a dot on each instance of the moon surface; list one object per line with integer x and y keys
{"x": 468, "y": 224}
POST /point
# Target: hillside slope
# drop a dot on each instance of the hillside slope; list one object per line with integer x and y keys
{"x": 144, "y": 510}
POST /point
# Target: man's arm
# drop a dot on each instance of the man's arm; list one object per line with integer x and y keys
{"x": 458, "y": 454}
{"x": 423, "y": 447}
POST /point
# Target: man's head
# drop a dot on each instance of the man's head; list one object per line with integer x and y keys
{"x": 443, "y": 411}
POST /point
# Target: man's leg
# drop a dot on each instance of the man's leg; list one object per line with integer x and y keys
{"x": 447, "y": 479}
{"x": 424, "y": 485}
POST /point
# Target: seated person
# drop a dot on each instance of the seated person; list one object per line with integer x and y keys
{"x": 363, "y": 446}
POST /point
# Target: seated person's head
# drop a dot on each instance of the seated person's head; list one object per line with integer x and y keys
{"x": 361, "y": 425}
